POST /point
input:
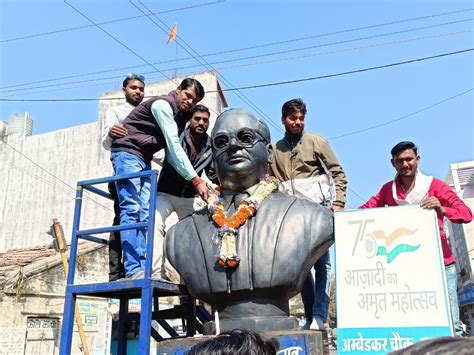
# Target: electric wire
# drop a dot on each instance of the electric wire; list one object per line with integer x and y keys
{"x": 115, "y": 21}
{"x": 356, "y": 194}
{"x": 337, "y": 32}
{"x": 117, "y": 40}
{"x": 257, "y": 86}
{"x": 376, "y": 45}
{"x": 353, "y": 71}
{"x": 250, "y": 47}
{"x": 206, "y": 64}
{"x": 402, "y": 117}
{"x": 127, "y": 47}
{"x": 10, "y": 87}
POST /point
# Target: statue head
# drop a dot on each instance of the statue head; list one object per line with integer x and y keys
{"x": 241, "y": 149}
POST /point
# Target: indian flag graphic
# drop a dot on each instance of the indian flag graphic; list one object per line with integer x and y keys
{"x": 378, "y": 244}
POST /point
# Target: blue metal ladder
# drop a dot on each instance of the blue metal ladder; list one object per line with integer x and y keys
{"x": 124, "y": 290}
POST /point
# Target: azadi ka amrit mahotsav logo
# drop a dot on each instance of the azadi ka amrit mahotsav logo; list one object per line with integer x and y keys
{"x": 377, "y": 243}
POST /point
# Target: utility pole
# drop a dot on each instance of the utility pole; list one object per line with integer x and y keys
{"x": 61, "y": 246}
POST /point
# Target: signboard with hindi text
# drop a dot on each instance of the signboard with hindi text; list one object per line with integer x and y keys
{"x": 390, "y": 279}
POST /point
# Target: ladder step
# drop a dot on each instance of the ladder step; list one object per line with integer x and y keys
{"x": 127, "y": 289}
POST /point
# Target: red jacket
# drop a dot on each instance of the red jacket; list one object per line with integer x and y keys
{"x": 456, "y": 209}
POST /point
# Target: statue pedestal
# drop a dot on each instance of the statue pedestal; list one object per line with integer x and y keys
{"x": 260, "y": 324}
{"x": 294, "y": 342}
{"x": 260, "y": 315}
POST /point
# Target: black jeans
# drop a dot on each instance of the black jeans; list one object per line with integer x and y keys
{"x": 116, "y": 270}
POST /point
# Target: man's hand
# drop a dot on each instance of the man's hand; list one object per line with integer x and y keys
{"x": 335, "y": 208}
{"x": 433, "y": 203}
{"x": 117, "y": 131}
{"x": 203, "y": 190}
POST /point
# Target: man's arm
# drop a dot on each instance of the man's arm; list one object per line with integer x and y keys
{"x": 374, "y": 201}
{"x": 112, "y": 128}
{"x": 110, "y": 120}
{"x": 448, "y": 204}
{"x": 335, "y": 169}
{"x": 176, "y": 155}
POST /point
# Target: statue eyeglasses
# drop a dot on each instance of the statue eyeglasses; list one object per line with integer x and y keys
{"x": 245, "y": 138}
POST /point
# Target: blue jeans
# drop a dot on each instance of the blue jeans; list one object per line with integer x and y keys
{"x": 315, "y": 293}
{"x": 452, "y": 281}
{"x": 134, "y": 199}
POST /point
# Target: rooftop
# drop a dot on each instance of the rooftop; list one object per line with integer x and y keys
{"x": 17, "y": 258}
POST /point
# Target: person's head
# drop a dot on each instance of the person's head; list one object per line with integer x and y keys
{"x": 189, "y": 92}
{"x": 241, "y": 149}
{"x": 236, "y": 342}
{"x": 405, "y": 159}
{"x": 441, "y": 345}
{"x": 198, "y": 119}
{"x": 133, "y": 87}
{"x": 293, "y": 113}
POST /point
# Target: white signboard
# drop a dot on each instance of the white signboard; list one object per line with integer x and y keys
{"x": 390, "y": 279}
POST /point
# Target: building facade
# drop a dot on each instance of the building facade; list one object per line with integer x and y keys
{"x": 461, "y": 178}
{"x": 32, "y": 288}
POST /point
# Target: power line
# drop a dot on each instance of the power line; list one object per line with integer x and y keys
{"x": 340, "y": 32}
{"x": 352, "y": 71}
{"x": 403, "y": 117}
{"x": 196, "y": 55}
{"x": 123, "y": 44}
{"x": 343, "y": 50}
{"x": 375, "y": 45}
{"x": 117, "y": 40}
{"x": 106, "y": 22}
{"x": 9, "y": 87}
{"x": 359, "y": 196}
{"x": 271, "y": 84}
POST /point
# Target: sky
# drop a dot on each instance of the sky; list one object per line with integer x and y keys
{"x": 52, "y": 50}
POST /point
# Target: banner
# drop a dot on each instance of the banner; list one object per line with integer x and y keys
{"x": 390, "y": 279}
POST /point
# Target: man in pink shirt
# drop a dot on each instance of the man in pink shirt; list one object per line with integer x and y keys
{"x": 410, "y": 186}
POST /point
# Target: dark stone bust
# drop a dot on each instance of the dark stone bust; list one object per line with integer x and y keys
{"x": 277, "y": 246}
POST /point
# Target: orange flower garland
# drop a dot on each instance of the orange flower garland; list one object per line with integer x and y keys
{"x": 227, "y": 232}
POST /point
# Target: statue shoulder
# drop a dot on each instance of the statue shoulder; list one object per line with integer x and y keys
{"x": 183, "y": 236}
{"x": 296, "y": 206}
{"x": 188, "y": 222}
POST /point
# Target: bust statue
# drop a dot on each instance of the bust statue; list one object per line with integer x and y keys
{"x": 276, "y": 246}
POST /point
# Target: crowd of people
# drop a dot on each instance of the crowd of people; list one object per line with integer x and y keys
{"x": 304, "y": 162}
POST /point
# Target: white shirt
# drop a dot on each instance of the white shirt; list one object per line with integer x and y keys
{"x": 113, "y": 116}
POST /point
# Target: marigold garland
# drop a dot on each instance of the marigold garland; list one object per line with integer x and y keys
{"x": 228, "y": 227}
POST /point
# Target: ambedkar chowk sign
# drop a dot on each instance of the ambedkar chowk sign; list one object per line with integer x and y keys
{"x": 390, "y": 279}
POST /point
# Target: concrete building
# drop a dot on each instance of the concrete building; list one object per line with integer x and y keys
{"x": 32, "y": 287}
{"x": 38, "y": 173}
{"x": 461, "y": 178}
